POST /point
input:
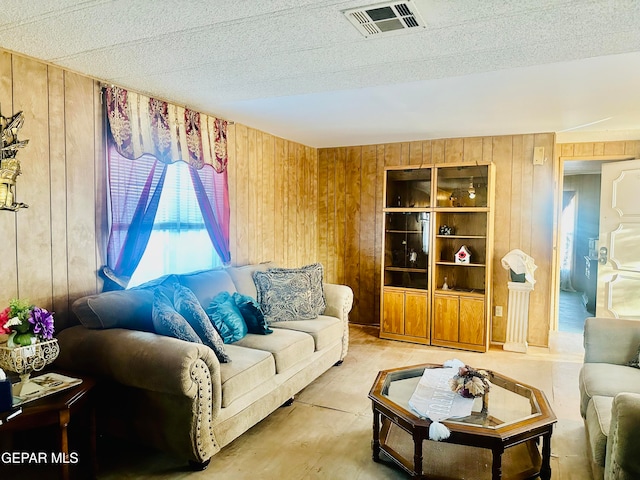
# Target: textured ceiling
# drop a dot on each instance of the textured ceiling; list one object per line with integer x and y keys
{"x": 300, "y": 70}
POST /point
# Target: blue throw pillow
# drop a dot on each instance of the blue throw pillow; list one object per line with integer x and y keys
{"x": 251, "y": 313}
{"x": 168, "y": 322}
{"x": 227, "y": 318}
{"x": 189, "y": 307}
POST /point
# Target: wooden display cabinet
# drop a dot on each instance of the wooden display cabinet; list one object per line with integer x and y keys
{"x": 427, "y": 296}
{"x": 459, "y": 321}
{"x": 461, "y": 289}
{"x": 405, "y": 315}
{"x": 405, "y": 271}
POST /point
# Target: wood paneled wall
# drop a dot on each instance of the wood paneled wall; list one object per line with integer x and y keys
{"x": 50, "y": 251}
{"x": 599, "y": 150}
{"x": 273, "y": 190}
{"x": 350, "y": 215}
{"x": 290, "y": 203}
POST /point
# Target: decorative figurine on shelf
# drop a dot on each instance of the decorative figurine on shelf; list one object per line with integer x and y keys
{"x": 413, "y": 258}
{"x": 9, "y": 165}
{"x": 445, "y": 286}
{"x": 445, "y": 230}
{"x": 463, "y": 255}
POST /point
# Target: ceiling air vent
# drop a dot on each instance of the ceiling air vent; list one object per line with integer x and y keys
{"x": 385, "y": 18}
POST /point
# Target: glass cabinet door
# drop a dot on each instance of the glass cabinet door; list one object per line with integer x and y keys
{"x": 406, "y": 249}
{"x": 408, "y": 188}
{"x": 462, "y": 186}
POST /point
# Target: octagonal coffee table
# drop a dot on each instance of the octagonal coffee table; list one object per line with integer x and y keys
{"x": 500, "y": 439}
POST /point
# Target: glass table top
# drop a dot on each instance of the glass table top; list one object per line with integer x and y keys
{"x": 506, "y": 403}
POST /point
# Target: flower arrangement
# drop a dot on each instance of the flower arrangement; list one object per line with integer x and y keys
{"x": 469, "y": 382}
{"x": 25, "y": 324}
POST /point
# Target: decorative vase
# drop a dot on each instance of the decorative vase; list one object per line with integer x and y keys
{"x": 25, "y": 360}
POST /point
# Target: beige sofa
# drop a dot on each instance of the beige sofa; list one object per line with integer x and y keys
{"x": 175, "y": 395}
{"x": 610, "y": 397}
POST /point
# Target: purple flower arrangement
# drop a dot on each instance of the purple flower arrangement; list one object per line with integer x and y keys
{"x": 25, "y": 324}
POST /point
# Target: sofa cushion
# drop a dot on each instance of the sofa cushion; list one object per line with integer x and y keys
{"x": 607, "y": 380}
{"x": 167, "y": 321}
{"x": 226, "y": 317}
{"x": 288, "y": 347}
{"x": 207, "y": 284}
{"x": 243, "y": 277}
{"x": 251, "y": 313}
{"x": 133, "y": 310}
{"x": 290, "y": 294}
{"x": 324, "y": 330}
{"x": 598, "y": 420}
{"x": 247, "y": 370}
{"x": 187, "y": 305}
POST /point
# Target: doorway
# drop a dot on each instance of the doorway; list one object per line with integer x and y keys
{"x": 578, "y": 230}
{"x": 572, "y": 303}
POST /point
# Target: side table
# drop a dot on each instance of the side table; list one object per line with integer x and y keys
{"x": 58, "y": 409}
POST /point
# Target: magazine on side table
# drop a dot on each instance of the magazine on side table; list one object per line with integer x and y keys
{"x": 44, "y": 385}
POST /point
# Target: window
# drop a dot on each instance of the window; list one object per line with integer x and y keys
{"x": 178, "y": 224}
{"x": 146, "y": 140}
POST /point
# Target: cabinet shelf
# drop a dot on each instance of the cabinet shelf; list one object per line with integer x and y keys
{"x": 405, "y": 231}
{"x": 461, "y": 291}
{"x": 405, "y": 269}
{"x": 454, "y": 264}
{"x": 408, "y": 210}
{"x": 470, "y": 237}
{"x": 461, "y": 209}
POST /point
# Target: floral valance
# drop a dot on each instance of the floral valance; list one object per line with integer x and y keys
{"x": 142, "y": 125}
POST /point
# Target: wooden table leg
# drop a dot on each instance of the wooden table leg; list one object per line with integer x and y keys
{"x": 376, "y": 435}
{"x": 496, "y": 467}
{"x": 64, "y": 417}
{"x": 417, "y": 453}
{"x": 545, "y": 468}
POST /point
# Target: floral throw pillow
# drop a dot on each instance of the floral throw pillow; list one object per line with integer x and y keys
{"x": 286, "y": 294}
{"x": 167, "y": 321}
{"x": 635, "y": 361}
{"x": 187, "y": 305}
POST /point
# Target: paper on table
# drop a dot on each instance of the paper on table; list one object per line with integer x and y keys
{"x": 43, "y": 385}
{"x": 434, "y": 399}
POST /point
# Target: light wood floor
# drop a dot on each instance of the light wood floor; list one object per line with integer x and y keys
{"x": 326, "y": 433}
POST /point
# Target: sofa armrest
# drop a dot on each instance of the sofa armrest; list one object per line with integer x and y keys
{"x": 610, "y": 340}
{"x": 622, "y": 460}
{"x": 339, "y": 299}
{"x": 137, "y": 359}
{"x": 171, "y": 379}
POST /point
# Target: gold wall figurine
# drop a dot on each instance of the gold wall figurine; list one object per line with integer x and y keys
{"x": 9, "y": 164}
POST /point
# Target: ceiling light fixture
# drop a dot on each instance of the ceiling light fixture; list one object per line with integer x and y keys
{"x": 472, "y": 191}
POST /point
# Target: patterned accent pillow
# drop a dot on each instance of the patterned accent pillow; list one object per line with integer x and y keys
{"x": 286, "y": 294}
{"x": 635, "y": 361}
{"x": 253, "y": 316}
{"x": 189, "y": 307}
{"x": 168, "y": 322}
